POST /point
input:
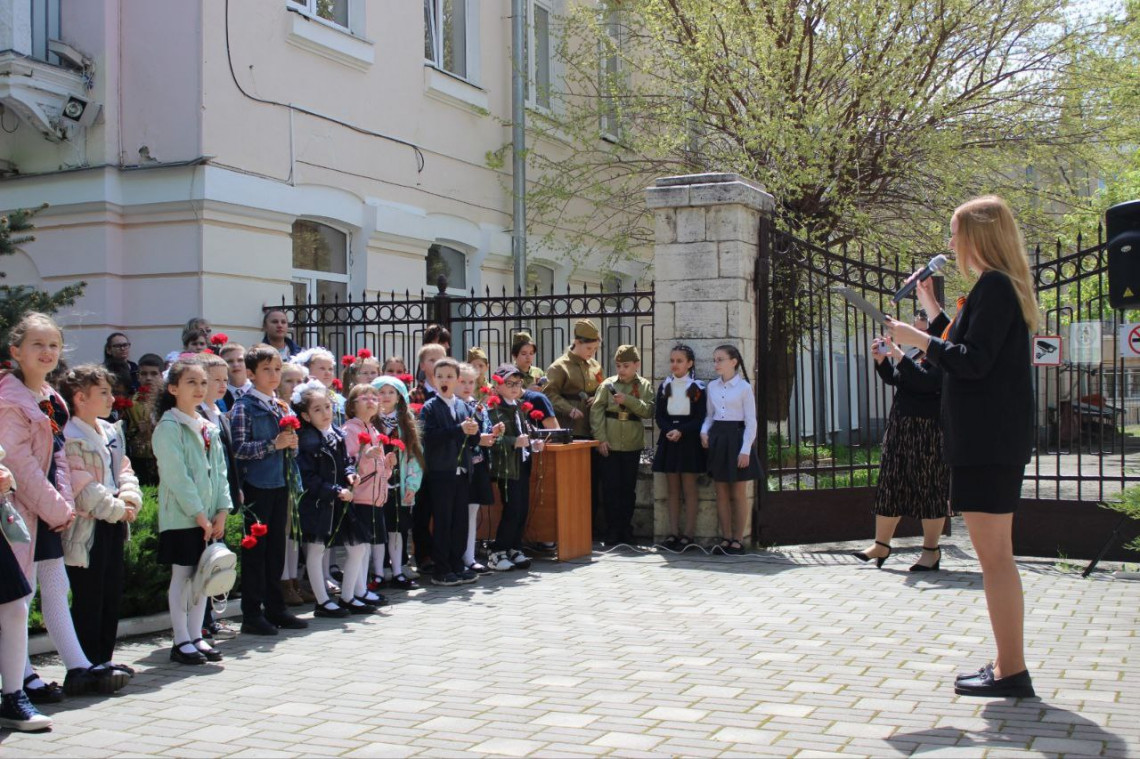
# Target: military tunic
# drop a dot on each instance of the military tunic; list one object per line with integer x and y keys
{"x": 567, "y": 377}
{"x": 622, "y": 426}
{"x": 530, "y": 376}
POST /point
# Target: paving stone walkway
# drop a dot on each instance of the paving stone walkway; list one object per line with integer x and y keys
{"x": 800, "y": 652}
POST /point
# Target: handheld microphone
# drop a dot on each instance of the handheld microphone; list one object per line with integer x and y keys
{"x": 934, "y": 265}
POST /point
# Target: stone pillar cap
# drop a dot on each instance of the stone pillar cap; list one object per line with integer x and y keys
{"x": 701, "y": 190}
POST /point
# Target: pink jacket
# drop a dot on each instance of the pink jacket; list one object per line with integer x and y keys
{"x": 373, "y": 472}
{"x": 25, "y": 435}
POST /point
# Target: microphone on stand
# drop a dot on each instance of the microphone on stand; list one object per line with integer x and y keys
{"x": 934, "y": 265}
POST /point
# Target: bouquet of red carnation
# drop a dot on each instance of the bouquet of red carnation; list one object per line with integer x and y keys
{"x": 347, "y": 359}
{"x": 364, "y": 353}
{"x": 289, "y": 422}
{"x": 219, "y": 338}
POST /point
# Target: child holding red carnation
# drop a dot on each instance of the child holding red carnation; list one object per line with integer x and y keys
{"x": 396, "y": 420}
{"x": 365, "y": 519}
{"x": 479, "y": 491}
{"x": 193, "y": 499}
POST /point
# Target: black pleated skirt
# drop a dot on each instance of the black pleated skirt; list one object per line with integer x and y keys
{"x": 183, "y": 547}
{"x": 323, "y": 523}
{"x": 480, "y": 488}
{"x": 49, "y": 544}
{"x": 988, "y": 489}
{"x": 725, "y": 439}
{"x": 686, "y": 456}
{"x": 397, "y": 516}
{"x": 914, "y": 480}
{"x": 363, "y": 523}
{"x": 13, "y": 583}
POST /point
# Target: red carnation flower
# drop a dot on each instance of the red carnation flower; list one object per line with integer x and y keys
{"x": 527, "y": 407}
{"x": 398, "y": 444}
{"x": 485, "y": 390}
{"x": 384, "y": 439}
{"x": 121, "y": 403}
{"x": 364, "y": 438}
{"x": 493, "y": 401}
{"x": 537, "y": 415}
{"x": 364, "y": 353}
{"x": 258, "y": 529}
{"x": 248, "y": 542}
{"x": 337, "y": 384}
{"x": 207, "y": 350}
{"x": 497, "y": 378}
{"x": 347, "y": 359}
{"x": 407, "y": 379}
{"x": 416, "y": 408}
{"x": 219, "y": 338}
{"x": 289, "y": 423}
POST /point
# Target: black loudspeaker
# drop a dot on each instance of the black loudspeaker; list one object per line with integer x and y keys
{"x": 1122, "y": 223}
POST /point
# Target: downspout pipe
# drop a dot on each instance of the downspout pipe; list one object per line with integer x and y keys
{"x": 518, "y": 139}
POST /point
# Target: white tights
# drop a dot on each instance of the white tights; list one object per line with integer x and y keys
{"x": 472, "y": 525}
{"x": 315, "y": 556}
{"x": 54, "y": 588}
{"x": 355, "y": 572}
{"x": 395, "y": 551}
{"x": 292, "y": 559}
{"x": 185, "y": 620}
{"x": 13, "y": 644}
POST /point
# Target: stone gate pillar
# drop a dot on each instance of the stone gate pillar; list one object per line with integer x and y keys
{"x": 707, "y": 231}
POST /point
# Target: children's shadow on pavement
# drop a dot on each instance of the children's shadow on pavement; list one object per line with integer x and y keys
{"x": 1056, "y": 731}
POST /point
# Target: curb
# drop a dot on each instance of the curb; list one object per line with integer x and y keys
{"x": 131, "y": 627}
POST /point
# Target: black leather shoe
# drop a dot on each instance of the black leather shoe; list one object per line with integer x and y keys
{"x": 258, "y": 626}
{"x": 357, "y": 607}
{"x": 969, "y": 675}
{"x": 330, "y": 610}
{"x": 179, "y": 656}
{"x": 984, "y": 685}
{"x": 287, "y": 621}
{"x": 48, "y": 693}
{"x": 212, "y": 654}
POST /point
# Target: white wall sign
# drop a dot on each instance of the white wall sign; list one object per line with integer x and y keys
{"x": 1046, "y": 350}
{"x": 1130, "y": 341}
{"x": 1084, "y": 342}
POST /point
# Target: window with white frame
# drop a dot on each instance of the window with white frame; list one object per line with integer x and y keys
{"x": 320, "y": 262}
{"x": 540, "y": 279}
{"x": 449, "y": 263}
{"x": 447, "y": 24}
{"x": 610, "y": 74}
{"x": 333, "y": 11}
{"x": 45, "y": 27}
{"x": 540, "y": 53}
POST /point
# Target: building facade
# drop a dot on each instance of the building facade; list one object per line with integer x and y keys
{"x": 210, "y": 157}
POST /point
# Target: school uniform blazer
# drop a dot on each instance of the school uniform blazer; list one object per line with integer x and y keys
{"x": 325, "y": 469}
{"x": 26, "y": 437}
{"x": 232, "y": 473}
{"x": 987, "y": 386}
{"x": 690, "y": 426}
{"x": 445, "y": 443}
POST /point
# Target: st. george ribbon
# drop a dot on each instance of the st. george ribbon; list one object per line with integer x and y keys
{"x": 934, "y": 265}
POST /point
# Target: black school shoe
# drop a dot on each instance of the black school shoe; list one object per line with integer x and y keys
{"x": 357, "y": 607}
{"x": 986, "y": 686}
{"x": 48, "y": 693}
{"x": 330, "y": 610}
{"x": 447, "y": 580}
{"x": 258, "y": 626}
{"x": 212, "y": 654}
{"x": 402, "y": 582}
{"x": 178, "y": 656}
{"x": 287, "y": 621}
{"x": 81, "y": 681}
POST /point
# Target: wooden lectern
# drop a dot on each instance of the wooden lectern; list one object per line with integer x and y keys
{"x": 560, "y": 501}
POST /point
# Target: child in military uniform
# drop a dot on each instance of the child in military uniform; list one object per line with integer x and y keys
{"x": 617, "y": 417}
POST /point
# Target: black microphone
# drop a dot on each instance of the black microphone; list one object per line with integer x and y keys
{"x": 934, "y": 265}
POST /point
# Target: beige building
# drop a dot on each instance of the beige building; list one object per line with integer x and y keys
{"x": 212, "y": 156}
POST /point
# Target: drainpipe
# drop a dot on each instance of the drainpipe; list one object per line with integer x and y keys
{"x": 518, "y": 138}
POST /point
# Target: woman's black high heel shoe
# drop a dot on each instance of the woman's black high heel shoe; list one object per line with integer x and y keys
{"x": 878, "y": 559}
{"x": 933, "y": 567}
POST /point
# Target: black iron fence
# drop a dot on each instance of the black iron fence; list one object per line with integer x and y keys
{"x": 394, "y": 325}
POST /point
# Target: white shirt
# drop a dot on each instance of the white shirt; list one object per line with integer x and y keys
{"x": 270, "y": 402}
{"x": 678, "y": 396}
{"x": 210, "y": 411}
{"x": 238, "y": 392}
{"x": 732, "y": 401}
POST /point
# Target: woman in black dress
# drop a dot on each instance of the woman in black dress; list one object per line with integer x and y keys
{"x": 987, "y": 416}
{"x": 913, "y": 478}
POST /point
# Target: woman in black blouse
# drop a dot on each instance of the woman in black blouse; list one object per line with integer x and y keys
{"x": 987, "y": 417}
{"x": 913, "y": 479}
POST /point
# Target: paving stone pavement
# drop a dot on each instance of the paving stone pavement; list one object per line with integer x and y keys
{"x": 796, "y": 652}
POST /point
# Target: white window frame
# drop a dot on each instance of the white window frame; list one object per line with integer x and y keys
{"x": 471, "y": 45}
{"x": 309, "y": 8}
{"x": 451, "y": 288}
{"x": 611, "y": 132}
{"x": 532, "y": 57}
{"x": 311, "y": 276}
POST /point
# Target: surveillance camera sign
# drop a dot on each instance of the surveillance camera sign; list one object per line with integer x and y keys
{"x": 1046, "y": 350}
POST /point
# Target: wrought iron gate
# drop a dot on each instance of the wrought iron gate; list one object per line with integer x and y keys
{"x": 826, "y": 409}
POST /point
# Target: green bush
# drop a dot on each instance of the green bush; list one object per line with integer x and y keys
{"x": 1129, "y": 504}
{"x": 145, "y": 580}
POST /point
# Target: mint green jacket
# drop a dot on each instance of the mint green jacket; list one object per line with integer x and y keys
{"x": 190, "y": 481}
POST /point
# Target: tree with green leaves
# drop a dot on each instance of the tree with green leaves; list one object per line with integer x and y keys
{"x": 15, "y": 301}
{"x": 868, "y": 120}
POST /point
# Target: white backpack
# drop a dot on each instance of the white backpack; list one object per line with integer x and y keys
{"x": 215, "y": 575}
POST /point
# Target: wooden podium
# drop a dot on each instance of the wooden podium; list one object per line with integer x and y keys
{"x": 559, "y": 501}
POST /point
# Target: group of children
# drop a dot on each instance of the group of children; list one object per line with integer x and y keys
{"x": 311, "y": 472}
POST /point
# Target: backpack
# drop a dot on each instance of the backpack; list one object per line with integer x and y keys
{"x": 215, "y": 575}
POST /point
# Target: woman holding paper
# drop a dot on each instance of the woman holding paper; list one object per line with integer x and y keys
{"x": 987, "y": 415}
